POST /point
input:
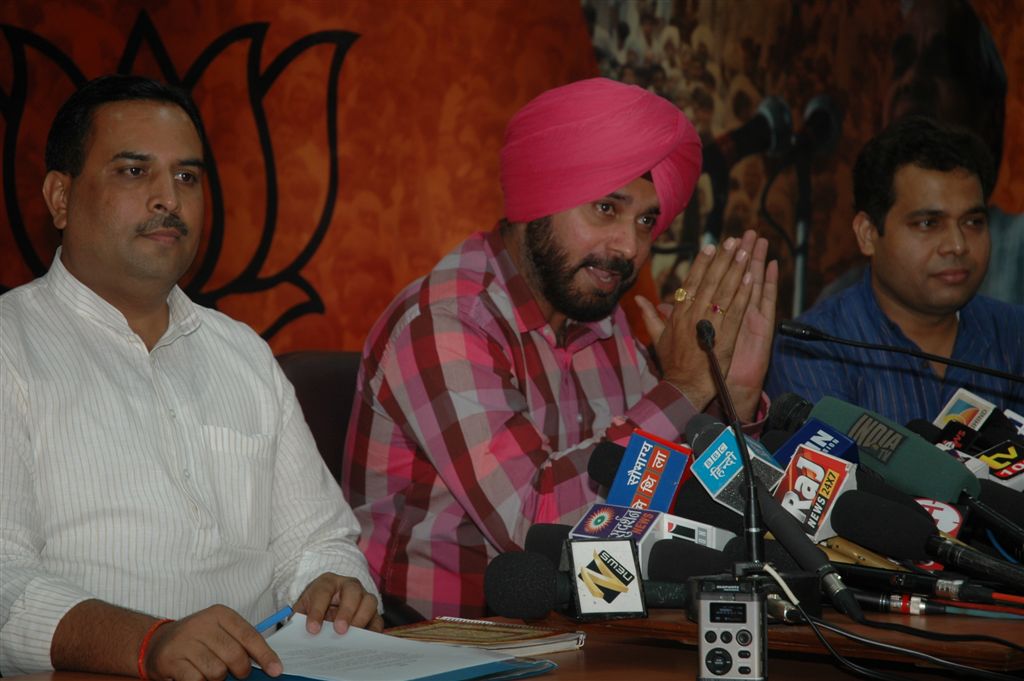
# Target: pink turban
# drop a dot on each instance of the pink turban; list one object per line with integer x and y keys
{"x": 579, "y": 142}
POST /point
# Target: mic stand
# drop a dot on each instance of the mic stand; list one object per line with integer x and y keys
{"x": 803, "y": 221}
{"x": 752, "y": 509}
{"x": 809, "y": 333}
{"x": 744, "y": 594}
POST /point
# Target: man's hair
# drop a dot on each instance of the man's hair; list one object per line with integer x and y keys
{"x": 921, "y": 142}
{"x": 65, "y": 145}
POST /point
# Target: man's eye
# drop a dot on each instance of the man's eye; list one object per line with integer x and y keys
{"x": 926, "y": 224}
{"x": 133, "y": 171}
{"x": 604, "y": 207}
{"x": 649, "y": 220}
{"x": 188, "y": 177}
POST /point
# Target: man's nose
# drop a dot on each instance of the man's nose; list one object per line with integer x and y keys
{"x": 624, "y": 239}
{"x": 163, "y": 195}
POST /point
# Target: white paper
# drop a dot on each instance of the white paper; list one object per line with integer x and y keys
{"x": 360, "y": 655}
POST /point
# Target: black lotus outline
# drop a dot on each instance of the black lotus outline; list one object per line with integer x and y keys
{"x": 144, "y": 32}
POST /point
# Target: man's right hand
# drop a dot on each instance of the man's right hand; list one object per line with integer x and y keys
{"x": 718, "y": 287}
{"x": 208, "y": 645}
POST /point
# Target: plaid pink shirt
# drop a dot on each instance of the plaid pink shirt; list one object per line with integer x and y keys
{"x": 472, "y": 424}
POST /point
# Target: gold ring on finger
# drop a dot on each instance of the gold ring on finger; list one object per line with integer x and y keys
{"x": 681, "y": 294}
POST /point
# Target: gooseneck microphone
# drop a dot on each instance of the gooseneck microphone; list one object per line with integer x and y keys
{"x": 806, "y": 332}
{"x": 751, "y": 509}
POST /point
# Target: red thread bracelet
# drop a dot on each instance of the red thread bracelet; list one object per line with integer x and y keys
{"x": 144, "y": 646}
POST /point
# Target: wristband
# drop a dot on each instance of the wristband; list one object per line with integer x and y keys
{"x": 144, "y": 646}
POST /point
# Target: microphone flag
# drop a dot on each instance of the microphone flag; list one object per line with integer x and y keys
{"x": 606, "y": 582}
{"x": 810, "y": 487}
{"x": 967, "y": 408}
{"x": 610, "y": 522}
{"x": 649, "y": 474}
{"x": 719, "y": 469}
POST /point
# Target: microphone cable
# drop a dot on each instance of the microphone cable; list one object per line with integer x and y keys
{"x": 816, "y": 622}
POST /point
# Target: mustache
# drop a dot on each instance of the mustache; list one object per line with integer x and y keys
{"x": 169, "y": 221}
{"x": 624, "y": 268}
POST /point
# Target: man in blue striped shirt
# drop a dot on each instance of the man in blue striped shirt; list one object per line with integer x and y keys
{"x": 920, "y": 192}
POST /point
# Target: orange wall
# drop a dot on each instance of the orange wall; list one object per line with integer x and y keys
{"x": 424, "y": 93}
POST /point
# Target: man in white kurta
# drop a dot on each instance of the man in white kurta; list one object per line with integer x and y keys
{"x": 152, "y": 470}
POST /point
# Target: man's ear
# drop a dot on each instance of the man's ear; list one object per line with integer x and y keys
{"x": 866, "y": 232}
{"x": 56, "y": 187}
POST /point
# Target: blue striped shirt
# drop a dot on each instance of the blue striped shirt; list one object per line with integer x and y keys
{"x": 903, "y": 388}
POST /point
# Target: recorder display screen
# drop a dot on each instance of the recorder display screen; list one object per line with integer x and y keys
{"x": 728, "y": 613}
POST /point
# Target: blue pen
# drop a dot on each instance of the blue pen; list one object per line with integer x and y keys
{"x": 278, "y": 617}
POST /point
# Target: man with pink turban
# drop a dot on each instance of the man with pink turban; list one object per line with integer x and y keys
{"x": 486, "y": 384}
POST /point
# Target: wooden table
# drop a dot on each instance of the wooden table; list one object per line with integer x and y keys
{"x": 798, "y": 645}
{"x": 663, "y": 647}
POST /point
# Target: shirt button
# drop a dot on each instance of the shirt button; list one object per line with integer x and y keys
{"x": 173, "y": 414}
{"x": 186, "y": 473}
{"x": 579, "y": 418}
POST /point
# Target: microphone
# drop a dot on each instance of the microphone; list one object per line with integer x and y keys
{"x": 858, "y": 516}
{"x": 720, "y": 469}
{"x": 604, "y": 462}
{"x": 822, "y": 128}
{"x": 806, "y": 332}
{"x": 789, "y": 533}
{"x": 788, "y": 411}
{"x": 914, "y": 583}
{"x": 769, "y": 131}
{"x": 547, "y": 539}
{"x": 527, "y": 586}
{"x": 904, "y": 459}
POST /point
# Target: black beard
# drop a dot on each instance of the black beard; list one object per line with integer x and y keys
{"x": 555, "y": 276}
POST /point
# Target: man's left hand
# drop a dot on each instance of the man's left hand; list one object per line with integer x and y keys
{"x": 341, "y": 600}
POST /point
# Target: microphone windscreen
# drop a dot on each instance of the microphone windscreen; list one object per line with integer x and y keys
{"x": 703, "y": 438}
{"x": 882, "y": 526}
{"x": 904, "y": 459}
{"x": 926, "y": 429}
{"x": 521, "y": 585}
{"x": 871, "y": 482}
{"x": 1002, "y": 499}
{"x": 547, "y": 539}
{"x": 694, "y": 502}
{"x": 787, "y": 412}
{"x": 676, "y": 560}
{"x": 604, "y": 462}
{"x": 695, "y": 426}
{"x": 773, "y": 439}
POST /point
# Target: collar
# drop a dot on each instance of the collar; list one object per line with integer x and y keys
{"x": 83, "y": 301}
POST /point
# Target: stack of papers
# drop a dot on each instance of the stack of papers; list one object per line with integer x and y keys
{"x": 360, "y": 655}
{"x": 520, "y": 639}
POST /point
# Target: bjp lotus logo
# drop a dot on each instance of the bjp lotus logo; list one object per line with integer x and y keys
{"x": 273, "y": 166}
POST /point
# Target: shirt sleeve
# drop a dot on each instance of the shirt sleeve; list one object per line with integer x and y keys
{"x": 32, "y": 602}
{"x": 454, "y": 391}
{"x": 314, "y": 529}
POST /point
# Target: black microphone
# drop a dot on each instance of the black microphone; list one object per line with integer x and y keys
{"x": 547, "y": 539}
{"x": 769, "y": 131}
{"x": 885, "y": 527}
{"x": 822, "y": 128}
{"x": 604, "y": 462}
{"x": 914, "y": 583}
{"x": 788, "y": 411}
{"x": 790, "y": 534}
{"x": 527, "y": 586}
{"x": 751, "y": 511}
{"x": 806, "y": 332}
